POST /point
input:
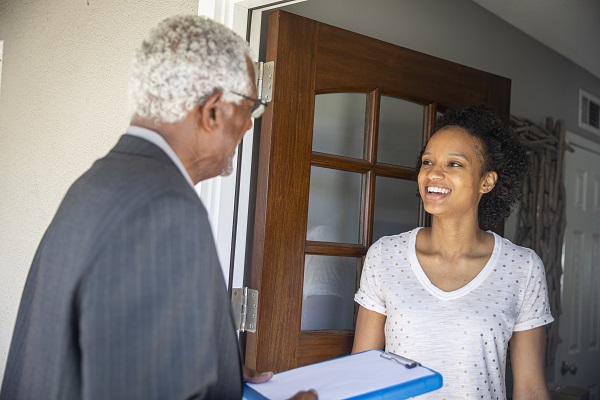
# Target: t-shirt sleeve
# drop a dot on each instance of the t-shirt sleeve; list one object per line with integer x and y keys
{"x": 370, "y": 295}
{"x": 535, "y": 310}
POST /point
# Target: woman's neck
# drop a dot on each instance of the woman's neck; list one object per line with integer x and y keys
{"x": 455, "y": 237}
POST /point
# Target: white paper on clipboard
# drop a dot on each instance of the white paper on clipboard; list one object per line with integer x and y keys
{"x": 346, "y": 377}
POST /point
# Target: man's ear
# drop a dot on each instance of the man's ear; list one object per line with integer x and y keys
{"x": 209, "y": 112}
{"x": 489, "y": 181}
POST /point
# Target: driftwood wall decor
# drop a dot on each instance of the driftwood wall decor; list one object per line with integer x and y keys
{"x": 541, "y": 218}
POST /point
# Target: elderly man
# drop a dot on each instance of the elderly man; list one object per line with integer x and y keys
{"x": 125, "y": 298}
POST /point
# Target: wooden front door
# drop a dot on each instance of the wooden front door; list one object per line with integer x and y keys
{"x": 338, "y": 147}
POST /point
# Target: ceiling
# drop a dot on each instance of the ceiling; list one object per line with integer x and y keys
{"x": 569, "y": 27}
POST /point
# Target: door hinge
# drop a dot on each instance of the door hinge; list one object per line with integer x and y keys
{"x": 244, "y": 302}
{"x": 264, "y": 80}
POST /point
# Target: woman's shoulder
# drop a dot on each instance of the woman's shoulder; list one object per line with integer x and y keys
{"x": 399, "y": 238}
{"x": 509, "y": 247}
{"x": 515, "y": 257}
{"x": 400, "y": 242}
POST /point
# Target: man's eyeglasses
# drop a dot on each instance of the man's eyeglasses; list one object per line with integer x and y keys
{"x": 258, "y": 108}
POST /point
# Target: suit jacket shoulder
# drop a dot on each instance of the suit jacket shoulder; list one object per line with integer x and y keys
{"x": 117, "y": 294}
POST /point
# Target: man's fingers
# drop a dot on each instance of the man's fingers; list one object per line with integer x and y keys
{"x": 308, "y": 395}
{"x": 260, "y": 377}
{"x": 254, "y": 376}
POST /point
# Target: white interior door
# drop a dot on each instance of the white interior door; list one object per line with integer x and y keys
{"x": 578, "y": 356}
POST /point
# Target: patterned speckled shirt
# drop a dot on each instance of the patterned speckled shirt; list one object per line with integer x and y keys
{"x": 463, "y": 334}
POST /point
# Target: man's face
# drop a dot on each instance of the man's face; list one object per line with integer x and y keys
{"x": 238, "y": 123}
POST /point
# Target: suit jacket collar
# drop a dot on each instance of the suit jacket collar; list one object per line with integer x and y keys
{"x": 132, "y": 144}
{"x": 137, "y": 146}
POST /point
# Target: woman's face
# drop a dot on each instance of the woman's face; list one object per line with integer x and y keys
{"x": 451, "y": 180}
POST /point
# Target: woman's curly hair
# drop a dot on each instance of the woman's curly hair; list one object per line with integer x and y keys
{"x": 501, "y": 152}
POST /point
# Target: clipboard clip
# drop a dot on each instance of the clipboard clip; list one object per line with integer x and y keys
{"x": 407, "y": 362}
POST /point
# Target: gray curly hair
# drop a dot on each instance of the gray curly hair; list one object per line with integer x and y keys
{"x": 184, "y": 59}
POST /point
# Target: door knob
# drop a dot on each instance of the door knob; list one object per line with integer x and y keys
{"x": 568, "y": 367}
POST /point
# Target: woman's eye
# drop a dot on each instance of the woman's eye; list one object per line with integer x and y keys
{"x": 454, "y": 164}
{"x": 426, "y": 162}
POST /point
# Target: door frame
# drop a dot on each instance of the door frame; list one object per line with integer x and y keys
{"x": 227, "y": 199}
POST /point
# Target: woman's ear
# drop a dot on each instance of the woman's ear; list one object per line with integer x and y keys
{"x": 489, "y": 181}
{"x": 209, "y": 112}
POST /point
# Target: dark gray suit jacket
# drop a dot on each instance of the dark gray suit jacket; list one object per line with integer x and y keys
{"x": 125, "y": 298}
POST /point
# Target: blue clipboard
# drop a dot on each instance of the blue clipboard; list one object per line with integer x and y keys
{"x": 372, "y": 374}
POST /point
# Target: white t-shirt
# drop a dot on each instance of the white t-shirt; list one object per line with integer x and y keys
{"x": 462, "y": 334}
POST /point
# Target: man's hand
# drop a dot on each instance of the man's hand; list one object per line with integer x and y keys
{"x": 306, "y": 395}
{"x": 253, "y": 376}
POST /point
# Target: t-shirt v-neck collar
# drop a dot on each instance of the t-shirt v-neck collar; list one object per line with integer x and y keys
{"x": 469, "y": 287}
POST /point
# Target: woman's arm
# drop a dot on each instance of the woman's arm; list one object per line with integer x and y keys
{"x": 369, "y": 334}
{"x": 527, "y": 352}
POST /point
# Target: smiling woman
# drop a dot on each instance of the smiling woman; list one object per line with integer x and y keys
{"x": 500, "y": 151}
{"x": 452, "y": 169}
{"x": 453, "y": 290}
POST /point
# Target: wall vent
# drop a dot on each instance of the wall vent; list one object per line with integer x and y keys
{"x": 589, "y": 112}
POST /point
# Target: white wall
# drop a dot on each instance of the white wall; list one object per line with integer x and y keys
{"x": 62, "y": 106}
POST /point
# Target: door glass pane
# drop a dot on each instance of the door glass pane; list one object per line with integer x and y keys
{"x": 400, "y": 131}
{"x": 396, "y": 206}
{"x": 341, "y": 124}
{"x": 328, "y": 293}
{"x": 335, "y": 206}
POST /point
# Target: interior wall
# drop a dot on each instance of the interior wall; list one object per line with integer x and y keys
{"x": 62, "y": 106}
{"x": 544, "y": 83}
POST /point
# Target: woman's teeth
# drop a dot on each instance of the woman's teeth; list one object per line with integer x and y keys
{"x": 431, "y": 189}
